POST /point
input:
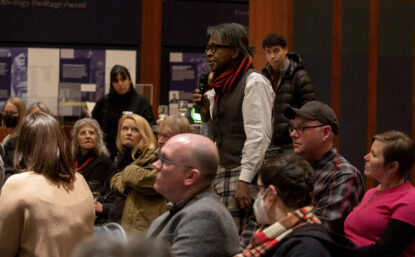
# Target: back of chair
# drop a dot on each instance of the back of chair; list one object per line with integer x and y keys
{"x": 112, "y": 229}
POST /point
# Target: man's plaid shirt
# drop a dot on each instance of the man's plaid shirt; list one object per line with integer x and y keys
{"x": 339, "y": 187}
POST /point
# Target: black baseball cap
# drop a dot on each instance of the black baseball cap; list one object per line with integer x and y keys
{"x": 315, "y": 110}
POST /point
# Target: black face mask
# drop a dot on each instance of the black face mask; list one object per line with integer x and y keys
{"x": 10, "y": 121}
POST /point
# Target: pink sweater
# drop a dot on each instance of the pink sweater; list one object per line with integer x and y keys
{"x": 367, "y": 222}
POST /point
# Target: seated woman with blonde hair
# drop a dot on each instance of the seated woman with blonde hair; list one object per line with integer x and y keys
{"x": 47, "y": 208}
{"x": 383, "y": 224}
{"x": 143, "y": 203}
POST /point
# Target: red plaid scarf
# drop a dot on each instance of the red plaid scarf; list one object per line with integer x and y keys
{"x": 267, "y": 238}
{"x": 225, "y": 81}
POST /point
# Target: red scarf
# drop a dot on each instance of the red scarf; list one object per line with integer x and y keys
{"x": 266, "y": 239}
{"x": 83, "y": 165}
{"x": 230, "y": 78}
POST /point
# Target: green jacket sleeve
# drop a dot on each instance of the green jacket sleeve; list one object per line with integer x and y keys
{"x": 139, "y": 176}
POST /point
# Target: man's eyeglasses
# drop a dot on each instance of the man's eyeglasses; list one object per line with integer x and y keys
{"x": 163, "y": 161}
{"x": 300, "y": 129}
{"x": 214, "y": 47}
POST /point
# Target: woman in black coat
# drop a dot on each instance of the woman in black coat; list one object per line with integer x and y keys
{"x": 122, "y": 99}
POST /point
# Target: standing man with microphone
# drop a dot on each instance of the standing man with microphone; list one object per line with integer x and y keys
{"x": 241, "y": 112}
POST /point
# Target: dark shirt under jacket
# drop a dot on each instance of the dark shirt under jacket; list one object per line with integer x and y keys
{"x": 113, "y": 202}
{"x": 97, "y": 169}
{"x": 9, "y": 148}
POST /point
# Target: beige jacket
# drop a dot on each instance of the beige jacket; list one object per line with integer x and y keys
{"x": 40, "y": 218}
{"x": 143, "y": 203}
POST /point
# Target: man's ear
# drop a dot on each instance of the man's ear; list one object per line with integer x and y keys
{"x": 327, "y": 132}
{"x": 192, "y": 177}
{"x": 235, "y": 52}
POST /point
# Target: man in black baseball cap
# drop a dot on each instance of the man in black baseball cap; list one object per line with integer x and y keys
{"x": 315, "y": 110}
{"x": 339, "y": 185}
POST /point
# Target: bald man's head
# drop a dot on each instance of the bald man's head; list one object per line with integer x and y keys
{"x": 197, "y": 151}
{"x": 187, "y": 165}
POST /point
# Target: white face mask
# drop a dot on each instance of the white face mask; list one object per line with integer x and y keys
{"x": 261, "y": 214}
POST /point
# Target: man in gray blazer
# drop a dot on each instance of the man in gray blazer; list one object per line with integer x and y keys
{"x": 197, "y": 224}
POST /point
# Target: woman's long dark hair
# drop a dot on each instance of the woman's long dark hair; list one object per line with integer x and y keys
{"x": 43, "y": 148}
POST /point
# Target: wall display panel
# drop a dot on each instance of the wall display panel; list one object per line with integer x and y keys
{"x": 395, "y": 67}
{"x": 109, "y": 22}
{"x": 354, "y": 81}
{"x": 312, "y": 37}
{"x": 43, "y": 77}
{"x": 13, "y": 72}
{"x": 65, "y": 79}
{"x": 185, "y": 69}
{"x": 185, "y": 22}
{"x": 81, "y": 79}
{"x": 85, "y": 77}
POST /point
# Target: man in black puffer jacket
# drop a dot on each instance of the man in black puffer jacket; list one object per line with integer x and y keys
{"x": 291, "y": 84}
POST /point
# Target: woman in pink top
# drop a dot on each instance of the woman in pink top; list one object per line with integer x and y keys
{"x": 47, "y": 208}
{"x": 383, "y": 224}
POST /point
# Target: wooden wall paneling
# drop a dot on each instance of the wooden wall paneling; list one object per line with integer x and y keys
{"x": 267, "y": 16}
{"x": 150, "y": 67}
{"x": 373, "y": 76}
{"x": 336, "y": 60}
{"x": 256, "y": 30}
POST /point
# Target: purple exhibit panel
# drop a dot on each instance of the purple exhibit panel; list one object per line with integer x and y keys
{"x": 15, "y": 80}
{"x": 96, "y": 72}
{"x": 184, "y": 74}
{"x": 5, "y": 77}
{"x": 86, "y": 67}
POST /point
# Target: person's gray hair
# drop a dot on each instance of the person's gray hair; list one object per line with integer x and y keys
{"x": 100, "y": 149}
{"x": 41, "y": 105}
{"x": 233, "y": 34}
{"x": 175, "y": 124}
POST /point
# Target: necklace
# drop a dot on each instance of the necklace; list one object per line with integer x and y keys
{"x": 400, "y": 182}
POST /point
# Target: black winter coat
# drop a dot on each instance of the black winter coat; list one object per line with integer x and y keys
{"x": 9, "y": 148}
{"x": 295, "y": 89}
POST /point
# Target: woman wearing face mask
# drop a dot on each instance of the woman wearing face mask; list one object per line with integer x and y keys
{"x": 122, "y": 99}
{"x": 13, "y": 113}
{"x": 283, "y": 206}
